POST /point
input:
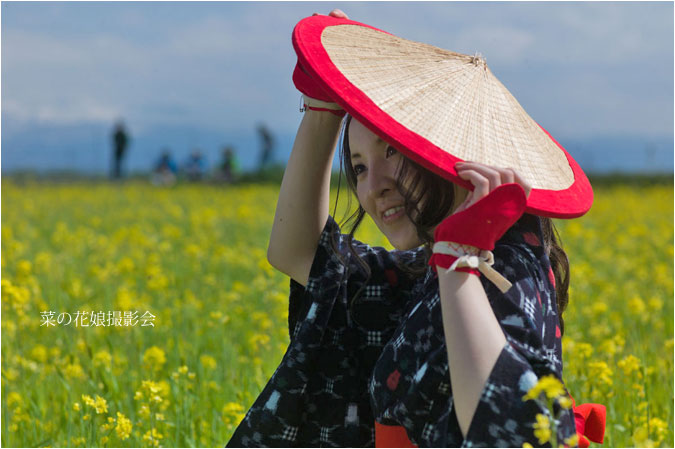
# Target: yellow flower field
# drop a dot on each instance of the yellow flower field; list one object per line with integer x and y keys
{"x": 137, "y": 316}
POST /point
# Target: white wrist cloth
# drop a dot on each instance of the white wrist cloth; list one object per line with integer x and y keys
{"x": 472, "y": 257}
{"x": 309, "y": 102}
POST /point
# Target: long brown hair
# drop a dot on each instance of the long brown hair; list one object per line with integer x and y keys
{"x": 428, "y": 199}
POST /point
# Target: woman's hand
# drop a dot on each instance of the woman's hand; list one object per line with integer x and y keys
{"x": 485, "y": 179}
{"x": 335, "y": 13}
{"x": 496, "y": 203}
{"x": 315, "y": 98}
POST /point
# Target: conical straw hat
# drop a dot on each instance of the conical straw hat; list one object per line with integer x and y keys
{"x": 439, "y": 107}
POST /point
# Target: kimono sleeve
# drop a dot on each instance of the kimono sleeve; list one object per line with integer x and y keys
{"x": 318, "y": 394}
{"x": 527, "y": 314}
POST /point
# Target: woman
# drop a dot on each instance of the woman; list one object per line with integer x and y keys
{"x": 412, "y": 338}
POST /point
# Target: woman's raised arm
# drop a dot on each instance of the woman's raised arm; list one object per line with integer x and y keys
{"x": 302, "y": 209}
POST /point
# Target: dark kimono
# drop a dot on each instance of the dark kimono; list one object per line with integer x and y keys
{"x": 383, "y": 357}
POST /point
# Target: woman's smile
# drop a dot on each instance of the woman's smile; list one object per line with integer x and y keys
{"x": 392, "y": 214}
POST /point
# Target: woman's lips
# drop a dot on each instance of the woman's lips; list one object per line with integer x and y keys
{"x": 395, "y": 216}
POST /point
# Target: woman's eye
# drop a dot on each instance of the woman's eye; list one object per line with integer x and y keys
{"x": 391, "y": 151}
{"x": 358, "y": 169}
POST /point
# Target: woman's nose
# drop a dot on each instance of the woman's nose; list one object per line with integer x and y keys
{"x": 379, "y": 182}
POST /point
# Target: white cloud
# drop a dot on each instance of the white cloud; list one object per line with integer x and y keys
{"x": 231, "y": 66}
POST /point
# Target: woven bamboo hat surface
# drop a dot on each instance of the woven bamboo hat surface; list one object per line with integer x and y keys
{"x": 439, "y": 107}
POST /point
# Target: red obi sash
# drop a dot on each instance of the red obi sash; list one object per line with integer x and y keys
{"x": 391, "y": 436}
{"x": 589, "y": 420}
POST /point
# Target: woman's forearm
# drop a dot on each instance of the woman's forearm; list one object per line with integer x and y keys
{"x": 473, "y": 337}
{"x": 302, "y": 209}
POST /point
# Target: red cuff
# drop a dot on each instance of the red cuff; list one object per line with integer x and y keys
{"x": 339, "y": 113}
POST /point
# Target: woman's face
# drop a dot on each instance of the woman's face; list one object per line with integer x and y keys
{"x": 375, "y": 164}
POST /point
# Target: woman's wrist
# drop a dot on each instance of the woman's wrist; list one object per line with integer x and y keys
{"x": 323, "y": 119}
{"x": 457, "y": 273}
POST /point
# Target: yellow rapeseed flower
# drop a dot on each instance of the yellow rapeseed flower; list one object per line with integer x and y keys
{"x": 565, "y": 402}
{"x": 659, "y": 428}
{"x": 154, "y": 358}
{"x": 14, "y": 398}
{"x": 100, "y": 405}
{"x": 640, "y": 389}
{"x": 609, "y": 347}
{"x": 636, "y": 306}
{"x": 78, "y": 441}
{"x": 641, "y": 437}
{"x": 23, "y": 269}
{"x": 74, "y": 371}
{"x": 144, "y": 411}
{"x": 233, "y": 413}
{"x": 150, "y": 387}
{"x": 599, "y": 371}
{"x": 88, "y": 400}
{"x": 213, "y": 385}
{"x": 572, "y": 441}
{"x": 39, "y": 353}
{"x": 629, "y": 364}
{"x": 232, "y": 407}
{"x": 152, "y": 437}
{"x": 124, "y": 426}
{"x": 599, "y": 308}
{"x": 655, "y": 304}
{"x": 583, "y": 350}
{"x": 208, "y": 362}
{"x": 550, "y": 385}
{"x": 542, "y": 428}
{"x": 102, "y": 358}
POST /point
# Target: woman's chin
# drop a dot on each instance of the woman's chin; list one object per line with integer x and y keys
{"x": 401, "y": 236}
{"x": 404, "y": 244}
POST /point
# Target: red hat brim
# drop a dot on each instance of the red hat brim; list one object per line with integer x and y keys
{"x": 571, "y": 202}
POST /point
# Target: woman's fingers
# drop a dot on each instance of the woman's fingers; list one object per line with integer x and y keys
{"x": 338, "y": 13}
{"x": 525, "y": 185}
{"x": 495, "y": 176}
{"x": 480, "y": 182}
{"x": 507, "y": 175}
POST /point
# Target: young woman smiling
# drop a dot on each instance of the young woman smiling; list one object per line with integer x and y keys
{"x": 433, "y": 344}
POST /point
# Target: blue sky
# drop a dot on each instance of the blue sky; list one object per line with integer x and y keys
{"x": 582, "y": 70}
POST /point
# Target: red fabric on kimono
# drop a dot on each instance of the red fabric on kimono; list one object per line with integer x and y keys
{"x": 391, "y": 436}
{"x": 590, "y": 421}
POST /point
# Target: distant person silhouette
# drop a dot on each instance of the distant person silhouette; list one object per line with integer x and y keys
{"x": 195, "y": 167}
{"x": 120, "y": 144}
{"x": 267, "y": 149}
{"x": 229, "y": 167}
{"x": 165, "y": 170}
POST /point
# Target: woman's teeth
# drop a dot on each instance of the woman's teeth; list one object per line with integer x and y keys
{"x": 392, "y": 211}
